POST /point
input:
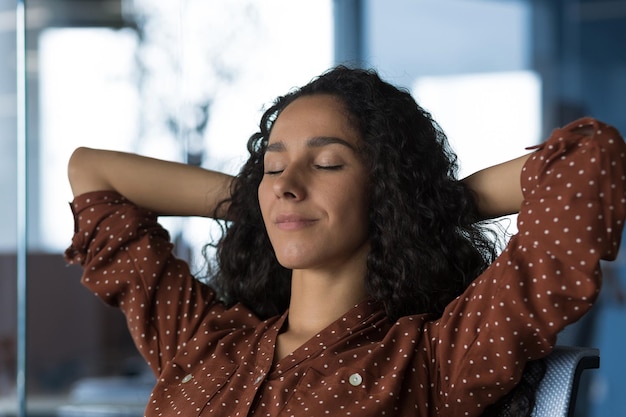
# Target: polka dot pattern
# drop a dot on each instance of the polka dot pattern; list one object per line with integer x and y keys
{"x": 214, "y": 361}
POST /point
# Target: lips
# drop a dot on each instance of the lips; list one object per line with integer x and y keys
{"x": 293, "y": 221}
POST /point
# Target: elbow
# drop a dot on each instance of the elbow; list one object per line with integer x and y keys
{"x": 75, "y": 161}
{"x": 74, "y": 166}
{"x": 82, "y": 171}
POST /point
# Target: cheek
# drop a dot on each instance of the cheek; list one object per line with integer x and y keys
{"x": 352, "y": 207}
{"x": 360, "y": 208}
{"x": 264, "y": 197}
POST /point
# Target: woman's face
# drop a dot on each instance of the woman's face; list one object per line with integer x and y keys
{"x": 313, "y": 194}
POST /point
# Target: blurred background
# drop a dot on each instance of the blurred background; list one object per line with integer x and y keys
{"x": 187, "y": 80}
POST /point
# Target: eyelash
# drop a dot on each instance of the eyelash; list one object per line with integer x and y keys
{"x": 321, "y": 167}
{"x": 329, "y": 167}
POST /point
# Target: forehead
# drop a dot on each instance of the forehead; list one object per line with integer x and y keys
{"x": 314, "y": 116}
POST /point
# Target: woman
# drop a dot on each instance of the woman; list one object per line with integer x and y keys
{"x": 353, "y": 277}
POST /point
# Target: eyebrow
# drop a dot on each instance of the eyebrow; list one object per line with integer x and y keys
{"x": 314, "y": 142}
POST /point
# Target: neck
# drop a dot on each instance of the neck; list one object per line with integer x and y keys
{"x": 320, "y": 296}
{"x": 318, "y": 299}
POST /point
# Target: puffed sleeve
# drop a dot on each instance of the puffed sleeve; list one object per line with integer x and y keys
{"x": 549, "y": 273}
{"x": 128, "y": 262}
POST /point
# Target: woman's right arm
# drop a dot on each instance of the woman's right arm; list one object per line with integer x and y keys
{"x": 167, "y": 188}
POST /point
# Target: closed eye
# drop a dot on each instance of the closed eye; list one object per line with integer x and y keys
{"x": 329, "y": 167}
{"x": 273, "y": 172}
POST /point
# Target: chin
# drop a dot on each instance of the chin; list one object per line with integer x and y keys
{"x": 292, "y": 264}
{"x": 294, "y": 257}
{"x": 295, "y": 262}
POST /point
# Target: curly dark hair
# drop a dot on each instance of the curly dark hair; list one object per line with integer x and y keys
{"x": 427, "y": 243}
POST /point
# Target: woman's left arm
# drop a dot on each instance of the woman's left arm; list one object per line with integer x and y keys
{"x": 548, "y": 276}
{"x": 497, "y": 189}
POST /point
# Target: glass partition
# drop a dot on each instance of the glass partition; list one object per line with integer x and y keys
{"x": 8, "y": 208}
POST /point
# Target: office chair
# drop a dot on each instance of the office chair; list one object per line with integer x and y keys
{"x": 557, "y": 391}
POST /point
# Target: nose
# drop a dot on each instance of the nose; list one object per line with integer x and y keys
{"x": 290, "y": 184}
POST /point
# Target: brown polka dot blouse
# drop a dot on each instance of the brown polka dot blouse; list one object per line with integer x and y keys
{"x": 217, "y": 361}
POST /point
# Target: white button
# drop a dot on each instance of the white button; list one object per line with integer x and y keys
{"x": 187, "y": 378}
{"x": 355, "y": 380}
{"x": 258, "y": 379}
